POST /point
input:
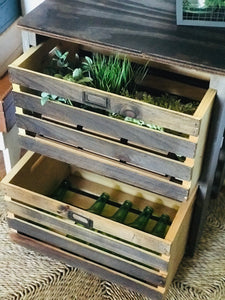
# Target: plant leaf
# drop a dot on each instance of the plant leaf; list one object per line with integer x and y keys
{"x": 44, "y": 100}
{"x": 88, "y": 60}
{"x": 58, "y": 53}
{"x": 77, "y": 73}
{"x": 54, "y": 97}
{"x": 85, "y": 80}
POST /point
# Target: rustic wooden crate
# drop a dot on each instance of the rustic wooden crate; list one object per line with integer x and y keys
{"x": 113, "y": 148}
{"x": 131, "y": 257}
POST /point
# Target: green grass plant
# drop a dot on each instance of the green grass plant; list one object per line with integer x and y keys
{"x": 112, "y": 73}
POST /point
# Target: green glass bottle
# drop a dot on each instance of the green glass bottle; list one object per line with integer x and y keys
{"x": 60, "y": 191}
{"x": 99, "y": 204}
{"x": 141, "y": 221}
{"x": 121, "y": 213}
{"x": 160, "y": 227}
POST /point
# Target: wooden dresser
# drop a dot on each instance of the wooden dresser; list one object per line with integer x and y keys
{"x": 99, "y": 153}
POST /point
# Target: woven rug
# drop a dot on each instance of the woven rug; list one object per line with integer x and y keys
{"x": 25, "y": 274}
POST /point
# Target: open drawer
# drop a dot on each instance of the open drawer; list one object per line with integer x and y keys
{"x": 118, "y": 252}
{"x": 166, "y": 161}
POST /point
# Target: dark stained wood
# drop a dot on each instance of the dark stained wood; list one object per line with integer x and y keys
{"x": 147, "y": 28}
{"x": 91, "y": 267}
{"x": 112, "y": 127}
{"x": 104, "y": 166}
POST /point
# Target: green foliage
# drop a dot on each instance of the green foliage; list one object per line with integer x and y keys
{"x": 215, "y": 3}
{"x": 136, "y": 121}
{"x": 186, "y": 5}
{"x": 60, "y": 67}
{"x": 169, "y": 102}
{"x": 111, "y": 73}
{"x": 48, "y": 97}
{"x": 165, "y": 100}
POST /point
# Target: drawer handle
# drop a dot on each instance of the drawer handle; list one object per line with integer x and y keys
{"x": 80, "y": 219}
{"x": 96, "y": 100}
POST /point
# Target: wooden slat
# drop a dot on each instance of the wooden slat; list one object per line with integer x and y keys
{"x": 93, "y": 237}
{"x": 96, "y": 144}
{"x": 119, "y": 193}
{"x": 86, "y": 251}
{"x": 102, "y": 181}
{"x": 89, "y": 266}
{"x": 107, "y": 167}
{"x": 149, "y": 113}
{"x": 178, "y": 234}
{"x": 203, "y": 112}
{"x": 109, "y": 126}
{"x": 121, "y": 231}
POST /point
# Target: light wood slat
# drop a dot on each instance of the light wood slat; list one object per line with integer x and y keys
{"x": 118, "y": 193}
{"x": 107, "y": 167}
{"x": 93, "y": 237}
{"x": 86, "y": 251}
{"x": 149, "y": 113}
{"x": 109, "y": 126}
{"x": 178, "y": 234}
{"x": 121, "y": 231}
{"x": 102, "y": 181}
{"x": 137, "y": 157}
{"x": 205, "y": 111}
{"x": 89, "y": 266}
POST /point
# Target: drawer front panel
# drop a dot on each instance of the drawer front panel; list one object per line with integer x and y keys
{"x": 77, "y": 261}
{"x": 107, "y": 126}
{"x": 146, "y": 112}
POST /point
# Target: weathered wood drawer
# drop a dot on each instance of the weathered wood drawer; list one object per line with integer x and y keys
{"x": 140, "y": 156}
{"x": 128, "y": 256}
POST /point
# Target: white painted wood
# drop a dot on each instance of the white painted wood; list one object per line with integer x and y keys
{"x": 9, "y": 144}
{"x": 29, "y": 5}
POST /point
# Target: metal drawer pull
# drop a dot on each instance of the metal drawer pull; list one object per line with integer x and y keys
{"x": 95, "y": 100}
{"x": 80, "y": 219}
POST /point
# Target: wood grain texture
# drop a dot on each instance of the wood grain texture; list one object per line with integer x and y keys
{"x": 129, "y": 234}
{"x": 89, "y": 266}
{"x": 106, "y": 147}
{"x": 146, "y": 28}
{"x": 108, "y": 126}
{"x": 86, "y": 251}
{"x": 149, "y": 113}
{"x": 107, "y": 167}
{"x": 66, "y": 227}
